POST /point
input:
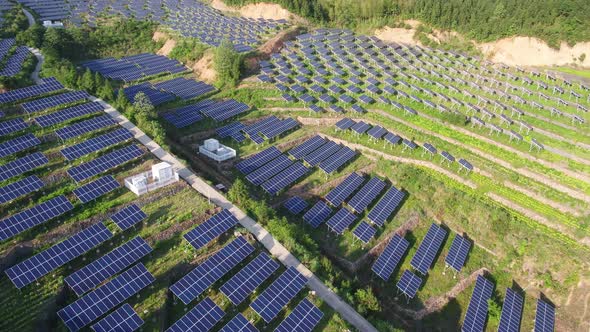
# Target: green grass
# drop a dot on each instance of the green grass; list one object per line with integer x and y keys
{"x": 585, "y": 73}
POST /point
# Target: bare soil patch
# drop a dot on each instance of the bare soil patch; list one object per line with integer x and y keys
{"x": 204, "y": 68}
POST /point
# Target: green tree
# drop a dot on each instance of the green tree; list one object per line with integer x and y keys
{"x": 32, "y": 37}
{"x": 227, "y": 63}
{"x": 366, "y": 301}
{"x": 86, "y": 81}
{"x": 238, "y": 193}
{"x": 122, "y": 102}
{"x": 143, "y": 108}
{"x": 98, "y": 81}
{"x": 106, "y": 91}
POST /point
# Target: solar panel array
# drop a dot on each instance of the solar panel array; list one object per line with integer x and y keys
{"x": 337, "y": 160}
{"x": 458, "y": 253}
{"x": 269, "y": 170}
{"x": 155, "y": 96}
{"x": 36, "y": 215}
{"x": 95, "y": 304}
{"x": 200, "y": 318}
{"x": 14, "y": 64}
{"x": 184, "y": 88}
{"x": 342, "y": 191}
{"x": 128, "y": 216}
{"x": 239, "y": 324}
{"x": 96, "y": 188}
{"x": 367, "y": 194}
{"x": 107, "y": 266}
{"x": 18, "y": 144}
{"x": 96, "y": 143}
{"x": 124, "y": 319}
{"x": 390, "y": 257}
{"x": 250, "y": 164}
{"x": 245, "y": 282}
{"x": 48, "y": 85}
{"x": 295, "y": 204}
{"x": 20, "y": 188}
{"x": 278, "y": 294}
{"x": 86, "y": 126}
{"x": 304, "y": 318}
{"x": 544, "y": 317}
{"x": 68, "y": 114}
{"x": 317, "y": 214}
{"x": 364, "y": 232}
{"x": 385, "y": 207}
{"x": 39, "y": 265}
{"x": 340, "y": 221}
{"x": 201, "y": 235}
{"x": 409, "y": 284}
{"x": 511, "y": 312}
{"x": 135, "y": 67}
{"x": 426, "y": 253}
{"x": 105, "y": 162}
{"x": 54, "y": 101}
{"x": 307, "y": 147}
{"x": 12, "y": 126}
{"x": 477, "y": 311}
{"x": 22, "y": 165}
{"x": 208, "y": 272}
{"x": 285, "y": 178}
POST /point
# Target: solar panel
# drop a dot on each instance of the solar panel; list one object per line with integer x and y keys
{"x": 428, "y": 249}
{"x": 201, "y": 318}
{"x": 304, "y": 318}
{"x": 49, "y": 85}
{"x": 511, "y": 312}
{"x": 239, "y": 324}
{"x": 392, "y": 138}
{"x": 360, "y": 127}
{"x": 269, "y": 170}
{"x": 409, "y": 284}
{"x": 243, "y": 283}
{"x": 210, "y": 229}
{"x": 97, "y": 303}
{"x": 20, "y": 188}
{"x": 39, "y": 265}
{"x": 340, "y": 221}
{"x": 477, "y": 311}
{"x": 458, "y": 253}
{"x": 53, "y": 101}
{"x": 278, "y": 294}
{"x": 38, "y": 214}
{"x": 385, "y": 207}
{"x": 364, "y": 232}
{"x": 337, "y": 160}
{"x": 466, "y": 164}
{"x": 369, "y": 192}
{"x": 341, "y": 192}
{"x": 128, "y": 216}
{"x": 322, "y": 153}
{"x": 544, "y": 317}
{"x": 295, "y": 204}
{"x": 68, "y": 114}
{"x": 317, "y": 214}
{"x": 285, "y": 178}
{"x": 86, "y": 126}
{"x": 390, "y": 257}
{"x": 96, "y": 188}
{"x": 104, "y": 163}
{"x": 96, "y": 143}
{"x": 248, "y": 165}
{"x": 18, "y": 144}
{"x": 22, "y": 165}
{"x": 208, "y": 272}
{"x": 12, "y": 126}
{"x": 107, "y": 266}
{"x": 307, "y": 147}
{"x": 124, "y": 319}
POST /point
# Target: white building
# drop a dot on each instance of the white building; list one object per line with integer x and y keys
{"x": 216, "y": 151}
{"x": 161, "y": 175}
{"x": 53, "y": 24}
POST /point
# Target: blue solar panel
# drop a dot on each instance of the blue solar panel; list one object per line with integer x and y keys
{"x": 337, "y": 160}
{"x": 34, "y": 216}
{"x": 96, "y": 143}
{"x": 69, "y": 114}
{"x": 511, "y": 312}
{"x": 184, "y": 88}
{"x": 409, "y": 284}
{"x": 239, "y": 324}
{"x": 364, "y": 232}
{"x": 18, "y": 144}
{"x": 322, "y": 153}
{"x": 49, "y": 85}
{"x": 304, "y": 318}
{"x": 53, "y": 101}
{"x": 22, "y": 165}
{"x": 201, "y": 318}
{"x": 307, "y": 147}
{"x": 340, "y": 221}
{"x": 12, "y": 126}
{"x": 20, "y": 188}
{"x": 37, "y": 266}
{"x": 285, "y": 178}
{"x": 248, "y": 165}
{"x": 544, "y": 317}
{"x": 428, "y": 249}
{"x": 208, "y": 272}
{"x": 385, "y": 207}
{"x": 96, "y": 188}
{"x": 210, "y": 229}
{"x": 243, "y": 283}
{"x": 107, "y": 266}
{"x": 458, "y": 253}
{"x": 477, "y": 311}
{"x": 124, "y": 319}
{"x": 85, "y": 127}
{"x": 390, "y": 257}
{"x": 317, "y": 214}
{"x": 295, "y": 204}
{"x": 97, "y": 303}
{"x": 366, "y": 195}
{"x": 128, "y": 216}
{"x": 104, "y": 163}
{"x": 269, "y": 170}
{"x": 360, "y": 127}
{"x": 278, "y": 294}
{"x": 339, "y": 194}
